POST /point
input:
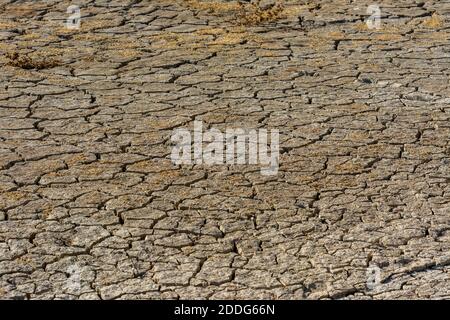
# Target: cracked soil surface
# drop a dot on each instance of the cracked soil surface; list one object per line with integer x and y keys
{"x": 91, "y": 206}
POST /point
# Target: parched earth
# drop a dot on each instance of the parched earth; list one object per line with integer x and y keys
{"x": 92, "y": 207}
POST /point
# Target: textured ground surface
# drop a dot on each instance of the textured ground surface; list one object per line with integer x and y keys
{"x": 91, "y": 206}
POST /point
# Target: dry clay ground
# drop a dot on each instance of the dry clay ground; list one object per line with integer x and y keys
{"x": 92, "y": 207}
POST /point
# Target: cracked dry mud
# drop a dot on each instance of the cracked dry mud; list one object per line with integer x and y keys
{"x": 91, "y": 206}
